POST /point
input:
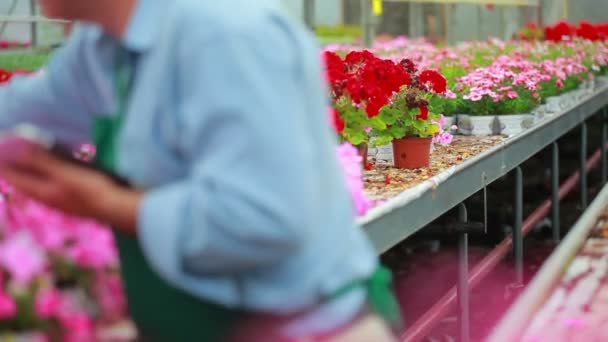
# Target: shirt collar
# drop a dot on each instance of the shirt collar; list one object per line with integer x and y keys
{"x": 142, "y": 30}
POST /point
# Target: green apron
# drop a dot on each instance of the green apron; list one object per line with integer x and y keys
{"x": 160, "y": 311}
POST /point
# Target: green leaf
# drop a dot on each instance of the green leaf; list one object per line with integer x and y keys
{"x": 383, "y": 140}
{"x": 389, "y": 116}
{"x": 358, "y": 138}
{"x": 377, "y": 123}
{"x": 419, "y": 125}
{"x": 398, "y": 132}
{"x": 351, "y": 116}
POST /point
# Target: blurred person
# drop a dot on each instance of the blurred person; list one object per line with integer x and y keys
{"x": 237, "y": 224}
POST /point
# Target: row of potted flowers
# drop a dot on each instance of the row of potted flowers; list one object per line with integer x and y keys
{"x": 564, "y": 31}
{"x": 399, "y": 91}
{"x": 494, "y": 77}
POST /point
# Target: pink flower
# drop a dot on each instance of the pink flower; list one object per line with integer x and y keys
{"x": 442, "y": 121}
{"x": 351, "y": 164}
{"x": 450, "y": 94}
{"x": 88, "y": 148}
{"x": 110, "y": 295}
{"x": 512, "y": 94}
{"x": 49, "y": 228}
{"x": 574, "y": 322}
{"x": 22, "y": 257}
{"x": 74, "y": 321}
{"x": 79, "y": 328}
{"x": 94, "y": 247}
{"x": 473, "y": 96}
{"x": 531, "y": 86}
{"x": 86, "y": 152}
{"x": 8, "y": 307}
{"x": 48, "y": 303}
{"x": 443, "y": 137}
{"x": 38, "y": 338}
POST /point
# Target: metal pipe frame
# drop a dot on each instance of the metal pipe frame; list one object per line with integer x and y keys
{"x": 10, "y": 11}
{"x": 367, "y": 23}
{"x": 309, "y": 13}
{"x": 555, "y": 218}
{"x": 424, "y": 325}
{"x": 583, "y": 183}
{"x": 518, "y": 239}
{"x": 34, "y": 24}
{"x": 463, "y": 277}
{"x": 604, "y": 150}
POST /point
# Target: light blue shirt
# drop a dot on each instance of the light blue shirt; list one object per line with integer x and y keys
{"x": 227, "y": 128}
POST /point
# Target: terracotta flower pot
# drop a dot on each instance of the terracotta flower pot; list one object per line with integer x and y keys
{"x": 363, "y": 153}
{"x": 412, "y": 153}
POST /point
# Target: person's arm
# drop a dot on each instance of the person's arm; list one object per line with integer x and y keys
{"x": 60, "y": 99}
{"x": 250, "y": 198}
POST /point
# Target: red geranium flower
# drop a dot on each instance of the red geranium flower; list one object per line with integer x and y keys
{"x": 602, "y": 30}
{"x": 374, "y": 106}
{"x": 435, "y": 79}
{"x": 588, "y": 31}
{"x": 356, "y": 57}
{"x": 355, "y": 89}
{"x": 335, "y": 71}
{"x": 5, "y": 76}
{"x": 562, "y": 30}
{"x": 408, "y": 65}
{"x": 332, "y": 60}
{"x": 424, "y": 113}
{"x": 338, "y": 121}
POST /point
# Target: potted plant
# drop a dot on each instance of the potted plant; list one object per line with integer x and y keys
{"x": 361, "y": 85}
{"x": 408, "y": 121}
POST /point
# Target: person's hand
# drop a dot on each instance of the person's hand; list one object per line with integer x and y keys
{"x": 73, "y": 189}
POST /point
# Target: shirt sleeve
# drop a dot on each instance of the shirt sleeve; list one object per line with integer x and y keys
{"x": 54, "y": 99}
{"x": 251, "y": 195}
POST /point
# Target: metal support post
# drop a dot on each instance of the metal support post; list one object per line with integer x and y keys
{"x": 604, "y": 141}
{"x": 309, "y": 13}
{"x": 416, "y": 20}
{"x": 518, "y": 239}
{"x": 555, "y": 224}
{"x": 367, "y": 22}
{"x": 463, "y": 278}
{"x": 583, "y": 166}
{"x": 34, "y": 24}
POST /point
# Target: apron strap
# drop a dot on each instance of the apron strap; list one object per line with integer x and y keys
{"x": 380, "y": 295}
{"x": 106, "y": 128}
